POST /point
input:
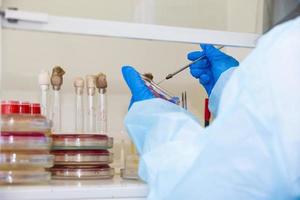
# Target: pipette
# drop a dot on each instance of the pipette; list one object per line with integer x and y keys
{"x": 169, "y": 76}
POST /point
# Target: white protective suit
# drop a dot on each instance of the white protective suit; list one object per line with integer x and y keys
{"x": 250, "y": 151}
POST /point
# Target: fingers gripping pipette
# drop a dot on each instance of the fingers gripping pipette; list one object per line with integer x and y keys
{"x": 169, "y": 76}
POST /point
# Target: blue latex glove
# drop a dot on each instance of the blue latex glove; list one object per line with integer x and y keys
{"x": 209, "y": 69}
{"x": 137, "y": 86}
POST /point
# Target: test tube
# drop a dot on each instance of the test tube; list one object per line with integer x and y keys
{"x": 56, "y": 82}
{"x": 184, "y": 100}
{"x": 91, "y": 120}
{"x": 44, "y": 82}
{"x": 207, "y": 114}
{"x": 79, "y": 118}
{"x": 101, "y": 84}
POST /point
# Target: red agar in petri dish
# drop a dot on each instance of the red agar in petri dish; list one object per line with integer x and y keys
{"x": 82, "y": 172}
{"x": 82, "y": 157}
{"x": 81, "y": 141}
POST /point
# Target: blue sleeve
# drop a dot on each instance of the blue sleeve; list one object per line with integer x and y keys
{"x": 163, "y": 133}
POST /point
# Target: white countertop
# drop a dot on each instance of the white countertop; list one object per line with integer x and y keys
{"x": 73, "y": 190}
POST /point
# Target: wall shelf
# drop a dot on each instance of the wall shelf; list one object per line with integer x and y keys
{"x": 14, "y": 19}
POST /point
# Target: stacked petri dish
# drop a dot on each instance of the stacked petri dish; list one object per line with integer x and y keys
{"x": 24, "y": 144}
{"x": 82, "y": 157}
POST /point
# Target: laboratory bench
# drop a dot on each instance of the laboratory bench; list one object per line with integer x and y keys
{"x": 116, "y": 188}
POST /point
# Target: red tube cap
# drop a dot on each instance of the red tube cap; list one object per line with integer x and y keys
{"x": 35, "y": 109}
{"x": 10, "y": 107}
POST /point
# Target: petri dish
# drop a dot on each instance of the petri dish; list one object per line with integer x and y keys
{"x": 81, "y": 141}
{"x": 25, "y": 160}
{"x": 82, "y": 172}
{"x": 82, "y": 157}
{"x": 24, "y": 141}
{"x": 24, "y": 177}
{"x": 25, "y": 123}
{"x": 158, "y": 91}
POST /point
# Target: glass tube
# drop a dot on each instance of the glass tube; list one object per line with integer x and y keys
{"x": 44, "y": 82}
{"x": 56, "y": 112}
{"x": 102, "y": 114}
{"x": 56, "y": 82}
{"x": 45, "y": 100}
{"x": 79, "y": 119}
{"x": 91, "y": 121}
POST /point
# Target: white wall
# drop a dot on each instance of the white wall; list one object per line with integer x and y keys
{"x": 193, "y": 13}
{"x": 26, "y": 53}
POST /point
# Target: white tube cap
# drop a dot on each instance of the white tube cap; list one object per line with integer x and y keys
{"x": 44, "y": 78}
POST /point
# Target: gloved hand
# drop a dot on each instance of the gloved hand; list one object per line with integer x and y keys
{"x": 137, "y": 86}
{"x": 209, "y": 69}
